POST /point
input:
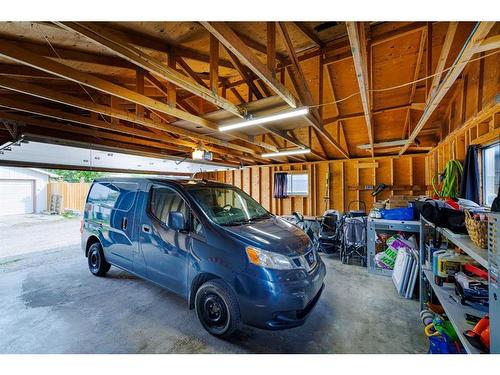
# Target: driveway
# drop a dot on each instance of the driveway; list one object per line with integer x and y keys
{"x": 34, "y": 233}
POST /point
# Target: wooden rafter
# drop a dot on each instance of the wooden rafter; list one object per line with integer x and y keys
{"x": 300, "y": 84}
{"x": 308, "y": 33}
{"x": 493, "y": 42}
{"x": 443, "y": 57}
{"x": 271, "y": 48}
{"x": 244, "y": 73}
{"x": 420, "y": 54}
{"x": 126, "y": 50}
{"x": 190, "y": 72}
{"x": 13, "y": 52}
{"x": 52, "y": 95}
{"x": 233, "y": 42}
{"x": 471, "y": 46}
{"x": 358, "y": 47}
{"x": 214, "y": 64}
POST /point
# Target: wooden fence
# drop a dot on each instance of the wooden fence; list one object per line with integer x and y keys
{"x": 73, "y": 194}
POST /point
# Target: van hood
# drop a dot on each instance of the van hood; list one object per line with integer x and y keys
{"x": 273, "y": 234}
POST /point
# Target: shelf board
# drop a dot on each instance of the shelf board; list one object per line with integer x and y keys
{"x": 454, "y": 310}
{"x": 464, "y": 243}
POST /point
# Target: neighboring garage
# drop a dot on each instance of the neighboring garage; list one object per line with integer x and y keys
{"x": 262, "y": 187}
{"x": 24, "y": 190}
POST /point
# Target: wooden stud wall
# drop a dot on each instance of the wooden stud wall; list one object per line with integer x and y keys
{"x": 347, "y": 179}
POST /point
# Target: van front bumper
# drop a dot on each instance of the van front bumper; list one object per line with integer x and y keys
{"x": 280, "y": 305}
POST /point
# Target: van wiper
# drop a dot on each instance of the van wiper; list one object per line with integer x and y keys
{"x": 238, "y": 222}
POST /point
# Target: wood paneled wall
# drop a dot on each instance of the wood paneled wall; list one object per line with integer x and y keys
{"x": 348, "y": 181}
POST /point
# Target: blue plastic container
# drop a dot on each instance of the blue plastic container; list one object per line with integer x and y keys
{"x": 406, "y": 213}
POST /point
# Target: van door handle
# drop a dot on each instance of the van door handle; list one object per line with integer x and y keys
{"x": 124, "y": 223}
{"x": 146, "y": 228}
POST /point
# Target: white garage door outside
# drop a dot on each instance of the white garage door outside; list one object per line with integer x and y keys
{"x": 16, "y": 197}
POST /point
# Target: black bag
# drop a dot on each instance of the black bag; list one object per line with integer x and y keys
{"x": 443, "y": 217}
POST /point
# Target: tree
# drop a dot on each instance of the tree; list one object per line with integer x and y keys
{"x": 77, "y": 176}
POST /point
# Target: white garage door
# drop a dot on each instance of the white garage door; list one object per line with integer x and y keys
{"x": 16, "y": 197}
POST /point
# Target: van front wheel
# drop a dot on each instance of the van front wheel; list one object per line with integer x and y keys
{"x": 97, "y": 264}
{"x": 217, "y": 308}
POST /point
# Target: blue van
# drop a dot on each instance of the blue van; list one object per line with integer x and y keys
{"x": 211, "y": 243}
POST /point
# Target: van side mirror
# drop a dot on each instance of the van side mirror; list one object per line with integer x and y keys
{"x": 176, "y": 221}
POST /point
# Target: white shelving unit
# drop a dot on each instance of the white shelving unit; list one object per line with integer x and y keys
{"x": 454, "y": 310}
{"x": 464, "y": 243}
{"x": 446, "y": 295}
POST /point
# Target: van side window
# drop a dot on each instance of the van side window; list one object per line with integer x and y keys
{"x": 104, "y": 193}
{"x": 128, "y": 192}
{"x": 165, "y": 200}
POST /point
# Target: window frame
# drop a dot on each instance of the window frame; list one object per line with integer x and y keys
{"x": 189, "y": 217}
{"x": 483, "y": 171}
{"x": 294, "y": 194}
{"x": 152, "y": 214}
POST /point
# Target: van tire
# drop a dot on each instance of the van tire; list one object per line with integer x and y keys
{"x": 96, "y": 261}
{"x": 217, "y": 308}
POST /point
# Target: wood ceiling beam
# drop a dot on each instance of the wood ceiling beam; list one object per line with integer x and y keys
{"x": 443, "y": 57}
{"x": 47, "y": 94}
{"x": 20, "y": 55}
{"x": 420, "y": 54}
{"x": 293, "y": 140}
{"x": 159, "y": 45}
{"x": 402, "y": 31}
{"x": 88, "y": 121}
{"x": 126, "y": 50}
{"x": 164, "y": 90}
{"x": 299, "y": 81}
{"x": 234, "y": 43}
{"x": 271, "y": 47}
{"x": 308, "y": 33}
{"x": 103, "y": 129}
{"x": 131, "y": 138}
{"x": 357, "y": 39}
{"x": 493, "y": 42}
{"x": 190, "y": 72}
{"x": 471, "y": 46}
{"x": 214, "y": 64}
{"x": 65, "y": 53}
{"x": 244, "y": 73}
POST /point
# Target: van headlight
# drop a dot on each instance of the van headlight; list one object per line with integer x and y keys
{"x": 268, "y": 259}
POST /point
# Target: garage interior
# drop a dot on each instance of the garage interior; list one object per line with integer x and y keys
{"x": 340, "y": 110}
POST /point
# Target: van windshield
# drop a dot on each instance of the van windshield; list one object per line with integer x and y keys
{"x": 228, "y": 206}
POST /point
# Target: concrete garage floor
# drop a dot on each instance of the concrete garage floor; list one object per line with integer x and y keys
{"x": 52, "y": 304}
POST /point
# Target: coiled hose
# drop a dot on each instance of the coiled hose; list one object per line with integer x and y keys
{"x": 449, "y": 179}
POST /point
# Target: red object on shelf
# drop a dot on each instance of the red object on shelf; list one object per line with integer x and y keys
{"x": 452, "y": 203}
{"x": 476, "y": 271}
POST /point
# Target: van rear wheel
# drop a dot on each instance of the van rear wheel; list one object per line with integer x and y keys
{"x": 97, "y": 263}
{"x": 217, "y": 308}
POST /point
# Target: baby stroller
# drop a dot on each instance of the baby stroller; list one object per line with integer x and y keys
{"x": 327, "y": 239}
{"x": 354, "y": 236}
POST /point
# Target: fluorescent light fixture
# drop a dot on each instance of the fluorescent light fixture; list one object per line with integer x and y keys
{"x": 265, "y": 119}
{"x": 287, "y": 152}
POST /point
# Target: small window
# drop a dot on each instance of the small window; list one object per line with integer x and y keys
{"x": 491, "y": 173}
{"x": 165, "y": 200}
{"x": 297, "y": 184}
{"x": 104, "y": 193}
